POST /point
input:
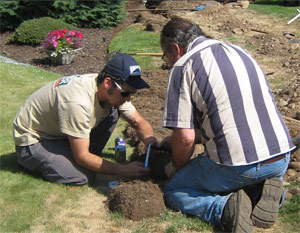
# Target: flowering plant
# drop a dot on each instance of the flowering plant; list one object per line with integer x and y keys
{"x": 63, "y": 41}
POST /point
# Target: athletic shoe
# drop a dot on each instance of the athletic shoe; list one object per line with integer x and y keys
{"x": 236, "y": 213}
{"x": 265, "y": 212}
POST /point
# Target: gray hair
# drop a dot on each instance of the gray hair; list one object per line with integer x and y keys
{"x": 180, "y": 31}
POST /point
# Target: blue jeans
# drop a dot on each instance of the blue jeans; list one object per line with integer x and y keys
{"x": 202, "y": 187}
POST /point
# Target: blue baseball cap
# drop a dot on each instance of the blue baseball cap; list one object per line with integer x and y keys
{"x": 124, "y": 67}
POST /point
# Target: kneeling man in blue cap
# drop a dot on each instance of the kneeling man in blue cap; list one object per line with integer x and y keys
{"x": 62, "y": 128}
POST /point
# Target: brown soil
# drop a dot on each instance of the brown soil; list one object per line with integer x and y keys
{"x": 137, "y": 200}
{"x": 158, "y": 159}
{"x": 277, "y": 52}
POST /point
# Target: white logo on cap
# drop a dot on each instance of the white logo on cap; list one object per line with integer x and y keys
{"x": 135, "y": 70}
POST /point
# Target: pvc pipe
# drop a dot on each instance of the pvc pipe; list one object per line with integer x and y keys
{"x": 293, "y": 19}
{"x": 147, "y": 155}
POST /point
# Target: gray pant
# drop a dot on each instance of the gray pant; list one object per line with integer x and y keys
{"x": 54, "y": 158}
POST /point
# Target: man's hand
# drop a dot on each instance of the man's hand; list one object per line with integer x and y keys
{"x": 134, "y": 170}
{"x": 170, "y": 170}
{"x": 150, "y": 140}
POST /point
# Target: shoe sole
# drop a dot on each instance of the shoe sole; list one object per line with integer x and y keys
{"x": 243, "y": 221}
{"x": 265, "y": 211}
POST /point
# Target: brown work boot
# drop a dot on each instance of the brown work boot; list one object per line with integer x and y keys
{"x": 266, "y": 210}
{"x": 236, "y": 213}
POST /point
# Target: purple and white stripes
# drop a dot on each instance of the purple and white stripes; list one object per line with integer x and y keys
{"x": 220, "y": 89}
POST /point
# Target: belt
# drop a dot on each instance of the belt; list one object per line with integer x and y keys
{"x": 273, "y": 159}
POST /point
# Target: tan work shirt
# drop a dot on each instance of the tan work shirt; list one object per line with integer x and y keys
{"x": 67, "y": 106}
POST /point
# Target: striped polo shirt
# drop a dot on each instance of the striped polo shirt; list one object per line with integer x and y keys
{"x": 219, "y": 89}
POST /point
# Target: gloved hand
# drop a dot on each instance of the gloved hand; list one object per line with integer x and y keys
{"x": 170, "y": 170}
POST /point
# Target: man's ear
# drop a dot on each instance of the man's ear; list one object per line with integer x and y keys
{"x": 107, "y": 82}
{"x": 177, "y": 50}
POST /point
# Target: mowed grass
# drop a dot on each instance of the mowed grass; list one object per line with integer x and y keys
{"x": 18, "y": 81}
{"x": 22, "y": 196}
{"x": 135, "y": 39}
{"x": 290, "y": 212}
{"x": 30, "y": 204}
{"x": 276, "y": 9}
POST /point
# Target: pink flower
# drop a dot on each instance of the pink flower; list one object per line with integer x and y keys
{"x": 55, "y": 44}
{"x": 72, "y": 33}
{"x": 63, "y": 40}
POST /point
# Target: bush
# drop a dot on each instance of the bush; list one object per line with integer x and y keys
{"x": 89, "y": 14}
{"x": 33, "y": 31}
{"x": 9, "y": 16}
{"x": 13, "y": 13}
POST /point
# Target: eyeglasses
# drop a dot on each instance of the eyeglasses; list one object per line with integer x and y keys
{"x": 163, "y": 57}
{"x": 123, "y": 93}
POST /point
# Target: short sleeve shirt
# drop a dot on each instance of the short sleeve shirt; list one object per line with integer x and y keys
{"x": 67, "y": 106}
{"x": 219, "y": 89}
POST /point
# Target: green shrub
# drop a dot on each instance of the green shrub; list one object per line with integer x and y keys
{"x": 91, "y": 14}
{"x": 9, "y": 16}
{"x": 33, "y": 31}
{"x": 88, "y": 14}
{"x": 13, "y": 13}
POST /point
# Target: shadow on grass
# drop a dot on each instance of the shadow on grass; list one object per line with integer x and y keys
{"x": 9, "y": 163}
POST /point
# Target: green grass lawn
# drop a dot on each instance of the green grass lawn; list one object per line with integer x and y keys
{"x": 26, "y": 200}
{"x": 21, "y": 195}
{"x": 134, "y": 40}
{"x": 276, "y": 9}
{"x": 18, "y": 81}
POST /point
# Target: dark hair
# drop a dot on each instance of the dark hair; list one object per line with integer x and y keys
{"x": 180, "y": 31}
{"x": 102, "y": 75}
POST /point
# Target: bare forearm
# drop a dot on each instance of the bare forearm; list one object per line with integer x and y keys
{"x": 97, "y": 164}
{"x": 182, "y": 146}
{"x": 181, "y": 155}
{"x": 142, "y": 127}
{"x": 91, "y": 161}
{"x": 144, "y": 131}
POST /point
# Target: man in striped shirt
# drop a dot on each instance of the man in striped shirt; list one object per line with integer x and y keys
{"x": 218, "y": 96}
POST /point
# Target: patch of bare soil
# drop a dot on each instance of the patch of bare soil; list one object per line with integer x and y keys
{"x": 158, "y": 159}
{"x": 277, "y": 52}
{"x": 137, "y": 200}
